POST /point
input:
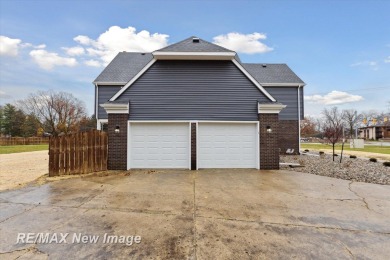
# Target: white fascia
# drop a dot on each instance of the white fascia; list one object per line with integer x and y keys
{"x": 112, "y": 108}
{"x": 96, "y": 100}
{"x": 128, "y": 84}
{"x": 109, "y": 83}
{"x": 162, "y": 55}
{"x": 270, "y": 108}
{"x": 283, "y": 84}
{"x": 249, "y": 76}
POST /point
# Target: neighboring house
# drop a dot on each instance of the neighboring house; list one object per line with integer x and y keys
{"x": 375, "y": 132}
{"x": 194, "y": 104}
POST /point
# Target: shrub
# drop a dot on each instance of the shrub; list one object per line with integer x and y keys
{"x": 335, "y": 155}
{"x": 321, "y": 152}
{"x": 373, "y": 160}
{"x": 307, "y": 150}
{"x": 387, "y": 164}
{"x": 352, "y": 156}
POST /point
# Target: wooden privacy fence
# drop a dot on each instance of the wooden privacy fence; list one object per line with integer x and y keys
{"x": 77, "y": 153}
{"x": 23, "y": 140}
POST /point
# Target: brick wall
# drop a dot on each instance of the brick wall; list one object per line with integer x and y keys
{"x": 269, "y": 142}
{"x": 193, "y": 146}
{"x": 288, "y": 136}
{"x": 117, "y": 142}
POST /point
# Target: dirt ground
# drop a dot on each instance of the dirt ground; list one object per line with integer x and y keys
{"x": 17, "y": 169}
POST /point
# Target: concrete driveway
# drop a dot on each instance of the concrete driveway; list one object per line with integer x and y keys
{"x": 206, "y": 214}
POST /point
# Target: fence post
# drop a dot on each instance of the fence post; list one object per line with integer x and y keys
{"x": 51, "y": 157}
{"x": 66, "y": 155}
{"x": 105, "y": 150}
{"x": 98, "y": 152}
{"x": 72, "y": 153}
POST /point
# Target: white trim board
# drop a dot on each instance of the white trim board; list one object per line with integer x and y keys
{"x": 270, "y": 108}
{"x": 109, "y": 83}
{"x": 249, "y": 76}
{"x": 128, "y": 84}
{"x": 115, "y": 108}
{"x": 96, "y": 101}
{"x": 283, "y": 84}
{"x": 191, "y": 121}
{"x": 162, "y": 55}
{"x": 99, "y": 123}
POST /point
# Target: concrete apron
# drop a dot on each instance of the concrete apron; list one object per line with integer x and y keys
{"x": 206, "y": 214}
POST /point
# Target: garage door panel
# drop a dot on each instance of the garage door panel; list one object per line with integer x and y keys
{"x": 227, "y": 145}
{"x": 159, "y": 145}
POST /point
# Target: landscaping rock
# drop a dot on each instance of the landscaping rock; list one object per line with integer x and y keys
{"x": 360, "y": 170}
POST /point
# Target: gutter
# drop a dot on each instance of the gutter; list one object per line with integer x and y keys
{"x": 299, "y": 117}
{"x": 96, "y": 101}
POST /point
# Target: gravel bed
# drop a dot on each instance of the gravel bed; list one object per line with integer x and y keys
{"x": 361, "y": 170}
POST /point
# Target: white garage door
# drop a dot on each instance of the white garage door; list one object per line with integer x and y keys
{"x": 227, "y": 145}
{"x": 159, "y": 145}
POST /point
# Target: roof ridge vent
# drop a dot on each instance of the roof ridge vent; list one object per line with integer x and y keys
{"x": 195, "y": 39}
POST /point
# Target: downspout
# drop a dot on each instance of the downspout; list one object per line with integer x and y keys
{"x": 299, "y": 118}
{"x": 98, "y": 126}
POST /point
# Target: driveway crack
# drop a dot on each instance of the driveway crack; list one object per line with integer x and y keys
{"x": 363, "y": 199}
{"x": 357, "y": 195}
{"x": 91, "y": 198}
{"x": 342, "y": 244}
{"x": 27, "y": 210}
{"x": 295, "y": 225}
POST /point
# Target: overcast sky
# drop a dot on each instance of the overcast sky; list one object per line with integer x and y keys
{"x": 341, "y": 49}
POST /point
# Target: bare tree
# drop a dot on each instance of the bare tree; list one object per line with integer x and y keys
{"x": 308, "y": 127}
{"x": 332, "y": 126}
{"x": 60, "y": 112}
{"x": 351, "y": 118}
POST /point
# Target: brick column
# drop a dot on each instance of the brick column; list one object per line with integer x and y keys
{"x": 269, "y": 134}
{"x": 289, "y": 136}
{"x": 193, "y": 146}
{"x": 117, "y": 142}
{"x": 269, "y": 141}
{"x": 118, "y": 116}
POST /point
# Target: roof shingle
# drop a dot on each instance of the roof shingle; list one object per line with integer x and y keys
{"x": 272, "y": 73}
{"x": 188, "y": 45}
{"x": 127, "y": 64}
{"x": 124, "y": 67}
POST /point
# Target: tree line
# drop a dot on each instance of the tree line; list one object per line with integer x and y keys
{"x": 45, "y": 113}
{"x": 336, "y": 125}
{"x": 349, "y": 120}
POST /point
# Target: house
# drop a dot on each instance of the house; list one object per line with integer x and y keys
{"x": 375, "y": 132}
{"x": 194, "y": 105}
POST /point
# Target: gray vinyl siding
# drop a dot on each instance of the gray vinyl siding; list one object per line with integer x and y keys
{"x": 104, "y": 94}
{"x": 287, "y": 96}
{"x": 193, "y": 90}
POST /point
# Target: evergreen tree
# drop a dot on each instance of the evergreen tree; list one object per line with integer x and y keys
{"x": 12, "y": 121}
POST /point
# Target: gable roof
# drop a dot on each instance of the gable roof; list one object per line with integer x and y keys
{"x": 188, "y": 45}
{"x": 127, "y": 65}
{"x": 272, "y": 73}
{"x": 123, "y": 67}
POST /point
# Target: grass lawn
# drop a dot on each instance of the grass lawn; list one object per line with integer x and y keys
{"x": 23, "y": 148}
{"x": 367, "y": 148}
